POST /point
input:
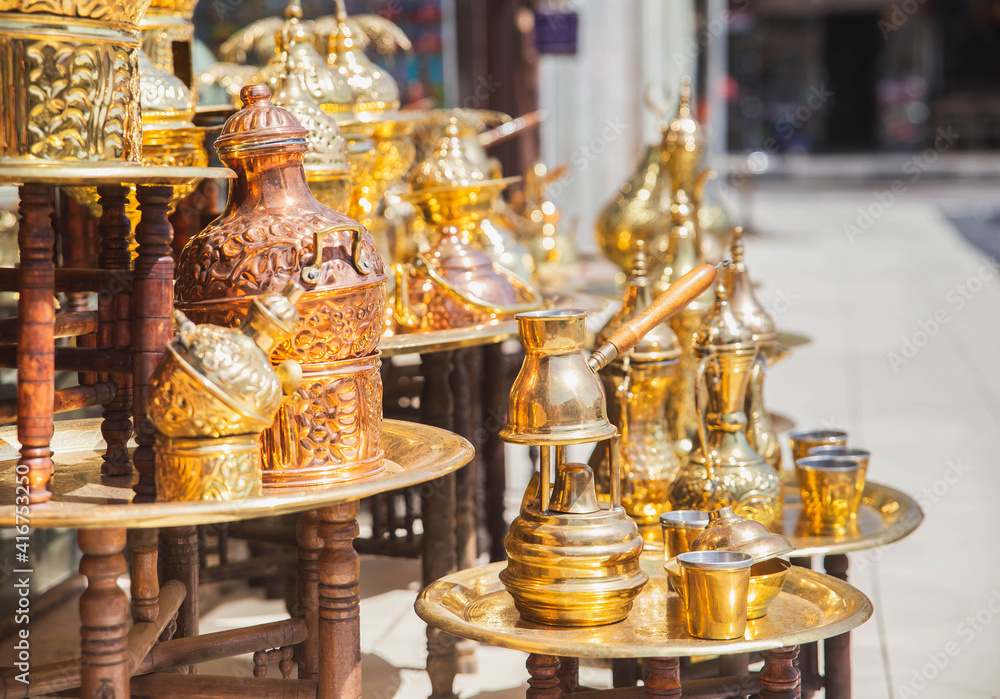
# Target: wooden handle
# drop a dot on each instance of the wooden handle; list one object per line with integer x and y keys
{"x": 673, "y": 300}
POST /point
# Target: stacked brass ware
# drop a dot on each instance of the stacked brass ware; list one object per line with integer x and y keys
{"x": 212, "y": 395}
{"x": 724, "y": 470}
{"x": 272, "y": 231}
{"x": 637, "y": 386}
{"x": 455, "y": 283}
{"x": 328, "y": 169}
{"x": 70, "y": 73}
{"x": 571, "y": 561}
{"x": 760, "y": 429}
{"x": 536, "y": 221}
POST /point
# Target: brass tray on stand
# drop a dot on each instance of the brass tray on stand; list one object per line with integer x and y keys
{"x": 885, "y": 515}
{"x": 473, "y": 604}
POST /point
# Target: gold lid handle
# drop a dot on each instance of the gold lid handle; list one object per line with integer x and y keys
{"x": 673, "y": 300}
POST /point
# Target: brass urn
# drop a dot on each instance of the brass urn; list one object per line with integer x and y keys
{"x": 213, "y": 393}
{"x": 724, "y": 470}
{"x": 760, "y": 429}
{"x": 272, "y": 231}
{"x": 573, "y": 560}
{"x": 638, "y": 386}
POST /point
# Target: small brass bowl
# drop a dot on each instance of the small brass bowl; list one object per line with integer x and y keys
{"x": 766, "y": 580}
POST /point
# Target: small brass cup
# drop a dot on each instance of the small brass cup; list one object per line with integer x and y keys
{"x": 680, "y": 528}
{"x": 802, "y": 441}
{"x": 715, "y": 585}
{"x": 859, "y": 455}
{"x": 831, "y": 488}
{"x": 766, "y": 580}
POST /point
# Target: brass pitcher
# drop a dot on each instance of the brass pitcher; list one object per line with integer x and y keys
{"x": 637, "y": 386}
{"x": 724, "y": 470}
{"x": 760, "y": 429}
{"x": 573, "y": 561}
{"x": 273, "y": 230}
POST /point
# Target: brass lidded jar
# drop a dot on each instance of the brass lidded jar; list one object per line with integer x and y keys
{"x": 760, "y": 429}
{"x": 724, "y": 470}
{"x": 274, "y": 231}
{"x": 638, "y": 386}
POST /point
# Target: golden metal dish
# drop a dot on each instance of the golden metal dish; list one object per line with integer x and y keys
{"x": 473, "y": 604}
{"x": 96, "y": 174}
{"x": 885, "y": 515}
{"x": 84, "y": 499}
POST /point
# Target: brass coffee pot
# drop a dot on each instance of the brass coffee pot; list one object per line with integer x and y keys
{"x": 638, "y": 385}
{"x": 573, "y": 561}
{"x": 212, "y": 395}
{"x": 760, "y": 429}
{"x": 724, "y": 470}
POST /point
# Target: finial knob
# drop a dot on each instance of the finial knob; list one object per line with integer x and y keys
{"x": 252, "y": 94}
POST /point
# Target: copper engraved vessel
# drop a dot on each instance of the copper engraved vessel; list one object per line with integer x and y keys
{"x": 272, "y": 231}
{"x": 724, "y": 470}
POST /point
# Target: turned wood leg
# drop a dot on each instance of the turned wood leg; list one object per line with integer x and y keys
{"x": 543, "y": 681}
{"x": 152, "y": 302}
{"x": 438, "y": 513}
{"x": 179, "y": 560}
{"x": 569, "y": 674}
{"x": 464, "y": 424}
{"x": 103, "y": 616}
{"x": 307, "y": 585}
{"x": 779, "y": 678}
{"x": 113, "y": 332}
{"x": 837, "y": 650}
{"x": 664, "y": 679}
{"x": 75, "y": 230}
{"x": 36, "y": 338}
{"x": 145, "y": 584}
{"x": 339, "y": 604}
{"x": 495, "y": 393}
{"x": 624, "y": 672}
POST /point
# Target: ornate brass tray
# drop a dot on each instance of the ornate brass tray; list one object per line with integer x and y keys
{"x": 885, "y": 515}
{"x": 486, "y": 334}
{"x": 82, "y": 498}
{"x": 91, "y": 174}
{"x": 474, "y": 604}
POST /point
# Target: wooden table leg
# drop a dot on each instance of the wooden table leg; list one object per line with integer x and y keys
{"x": 664, "y": 678}
{"x": 466, "y": 485}
{"x": 543, "y": 682}
{"x": 438, "y": 512}
{"x": 339, "y": 603}
{"x": 310, "y": 547}
{"x": 145, "y": 584}
{"x": 779, "y": 678}
{"x": 179, "y": 556}
{"x": 837, "y": 650}
{"x": 113, "y": 332}
{"x": 569, "y": 674}
{"x": 36, "y": 338}
{"x": 103, "y": 616}
{"x": 153, "y": 292}
{"x": 496, "y": 390}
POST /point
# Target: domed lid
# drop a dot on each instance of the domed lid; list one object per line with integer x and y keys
{"x": 327, "y": 147}
{"x": 743, "y": 300}
{"x": 259, "y": 125}
{"x": 447, "y": 166}
{"x": 722, "y": 327}
{"x": 163, "y": 97}
{"x": 727, "y": 531}
{"x": 231, "y": 365}
{"x": 659, "y": 344}
{"x": 684, "y": 132}
{"x": 373, "y": 91}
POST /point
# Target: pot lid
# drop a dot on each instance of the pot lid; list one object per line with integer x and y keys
{"x": 449, "y": 168}
{"x": 684, "y": 132}
{"x": 722, "y": 327}
{"x": 727, "y": 531}
{"x": 743, "y": 300}
{"x": 259, "y": 125}
{"x": 373, "y": 90}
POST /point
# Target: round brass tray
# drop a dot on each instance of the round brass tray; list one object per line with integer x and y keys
{"x": 885, "y": 515}
{"x": 457, "y": 338}
{"x": 83, "y": 498}
{"x": 93, "y": 174}
{"x": 474, "y": 604}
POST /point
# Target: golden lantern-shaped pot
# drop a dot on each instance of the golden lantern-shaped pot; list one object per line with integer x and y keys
{"x": 272, "y": 231}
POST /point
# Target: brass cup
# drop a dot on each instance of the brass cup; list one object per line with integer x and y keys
{"x": 680, "y": 528}
{"x": 766, "y": 580}
{"x": 803, "y": 440}
{"x": 830, "y": 490}
{"x": 859, "y": 455}
{"x": 715, "y": 587}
